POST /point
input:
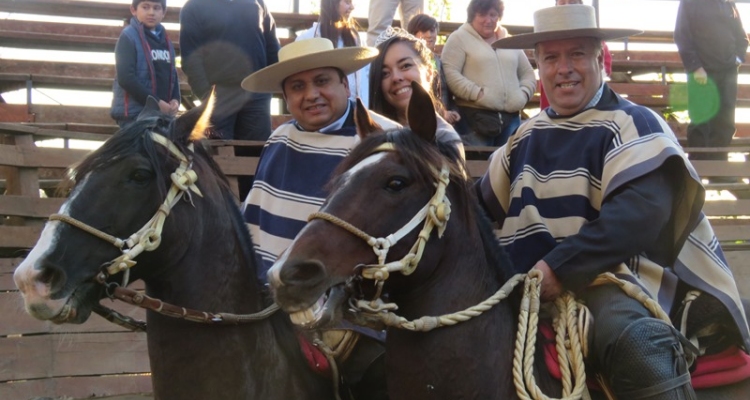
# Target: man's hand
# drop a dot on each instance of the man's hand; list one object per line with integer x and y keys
{"x": 551, "y": 286}
{"x": 700, "y": 76}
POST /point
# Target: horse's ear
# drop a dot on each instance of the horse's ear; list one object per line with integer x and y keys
{"x": 421, "y": 113}
{"x": 150, "y": 109}
{"x": 204, "y": 122}
{"x": 363, "y": 121}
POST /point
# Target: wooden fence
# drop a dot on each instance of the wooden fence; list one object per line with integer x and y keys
{"x": 40, "y": 359}
{"x": 98, "y": 358}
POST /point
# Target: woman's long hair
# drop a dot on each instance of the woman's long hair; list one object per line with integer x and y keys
{"x": 334, "y": 26}
{"x": 378, "y": 103}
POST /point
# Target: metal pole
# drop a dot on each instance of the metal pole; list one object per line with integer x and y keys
{"x": 595, "y": 3}
{"x": 295, "y": 6}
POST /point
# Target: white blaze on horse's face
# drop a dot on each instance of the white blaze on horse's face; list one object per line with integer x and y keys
{"x": 36, "y": 294}
{"x": 369, "y": 161}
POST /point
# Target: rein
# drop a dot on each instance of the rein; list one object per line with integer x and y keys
{"x": 148, "y": 238}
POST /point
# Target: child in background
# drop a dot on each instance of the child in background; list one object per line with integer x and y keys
{"x": 145, "y": 64}
{"x": 337, "y": 25}
{"x": 425, "y": 27}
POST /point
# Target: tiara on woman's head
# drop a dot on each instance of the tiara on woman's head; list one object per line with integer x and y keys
{"x": 391, "y": 33}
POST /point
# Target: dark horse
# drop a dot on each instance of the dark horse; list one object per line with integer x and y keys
{"x": 378, "y": 188}
{"x": 205, "y": 261}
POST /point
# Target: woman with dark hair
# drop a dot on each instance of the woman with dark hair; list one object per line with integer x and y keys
{"x": 404, "y": 59}
{"x": 491, "y": 86}
{"x": 425, "y": 27}
{"x": 337, "y": 25}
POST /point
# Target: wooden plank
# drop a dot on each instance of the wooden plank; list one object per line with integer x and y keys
{"x": 727, "y": 208}
{"x": 79, "y": 114}
{"x": 30, "y": 207}
{"x": 67, "y": 69}
{"x": 232, "y": 165}
{"x": 79, "y": 387}
{"x": 60, "y": 130}
{"x": 37, "y": 157}
{"x": 733, "y": 233}
{"x": 738, "y": 263}
{"x": 72, "y": 354}
{"x": 19, "y": 237}
{"x": 7, "y": 266}
{"x": 708, "y": 168}
{"x": 15, "y": 321}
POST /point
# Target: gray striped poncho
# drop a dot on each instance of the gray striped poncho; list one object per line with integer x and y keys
{"x": 553, "y": 175}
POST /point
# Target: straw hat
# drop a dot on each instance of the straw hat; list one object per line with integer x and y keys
{"x": 305, "y": 55}
{"x": 563, "y": 22}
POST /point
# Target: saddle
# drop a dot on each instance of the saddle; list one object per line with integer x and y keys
{"x": 729, "y": 366}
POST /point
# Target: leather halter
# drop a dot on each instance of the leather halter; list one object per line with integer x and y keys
{"x": 434, "y": 214}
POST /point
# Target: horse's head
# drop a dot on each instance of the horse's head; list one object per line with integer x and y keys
{"x": 114, "y": 193}
{"x": 386, "y": 188}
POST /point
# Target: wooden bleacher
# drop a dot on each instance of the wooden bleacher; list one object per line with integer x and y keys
{"x": 98, "y": 359}
{"x": 15, "y": 74}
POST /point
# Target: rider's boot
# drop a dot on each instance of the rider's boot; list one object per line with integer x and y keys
{"x": 648, "y": 362}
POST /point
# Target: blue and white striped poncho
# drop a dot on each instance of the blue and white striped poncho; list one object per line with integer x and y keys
{"x": 554, "y": 173}
{"x": 294, "y": 167}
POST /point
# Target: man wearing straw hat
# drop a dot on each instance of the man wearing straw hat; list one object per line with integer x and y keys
{"x": 597, "y": 184}
{"x": 300, "y": 156}
{"x": 298, "y": 160}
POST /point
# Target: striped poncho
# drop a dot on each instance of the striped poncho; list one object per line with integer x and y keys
{"x": 294, "y": 167}
{"x": 554, "y": 174}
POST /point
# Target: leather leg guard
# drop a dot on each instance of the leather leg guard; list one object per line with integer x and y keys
{"x": 648, "y": 362}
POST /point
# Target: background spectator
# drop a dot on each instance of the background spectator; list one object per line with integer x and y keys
{"x": 425, "y": 27}
{"x": 337, "y": 25}
{"x": 144, "y": 64}
{"x": 380, "y": 15}
{"x": 491, "y": 86}
{"x": 223, "y": 41}
{"x": 712, "y": 44}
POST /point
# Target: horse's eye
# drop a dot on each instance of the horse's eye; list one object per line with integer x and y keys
{"x": 141, "y": 176}
{"x": 396, "y": 184}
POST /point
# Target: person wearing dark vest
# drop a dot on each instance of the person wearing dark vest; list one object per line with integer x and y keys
{"x": 595, "y": 184}
{"x": 145, "y": 64}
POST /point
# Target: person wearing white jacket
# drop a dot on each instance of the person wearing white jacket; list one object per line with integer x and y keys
{"x": 491, "y": 86}
{"x": 337, "y": 25}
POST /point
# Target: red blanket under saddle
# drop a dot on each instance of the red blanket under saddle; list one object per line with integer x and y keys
{"x": 730, "y": 366}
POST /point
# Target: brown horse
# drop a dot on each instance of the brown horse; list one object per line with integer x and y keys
{"x": 205, "y": 261}
{"x": 377, "y": 190}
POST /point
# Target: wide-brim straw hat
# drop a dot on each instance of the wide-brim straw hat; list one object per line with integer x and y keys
{"x": 305, "y": 55}
{"x": 563, "y": 22}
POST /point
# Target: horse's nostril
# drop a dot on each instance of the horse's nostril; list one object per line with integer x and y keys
{"x": 52, "y": 276}
{"x": 305, "y": 273}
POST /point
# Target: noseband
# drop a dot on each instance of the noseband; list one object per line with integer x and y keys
{"x": 434, "y": 214}
{"x": 148, "y": 237}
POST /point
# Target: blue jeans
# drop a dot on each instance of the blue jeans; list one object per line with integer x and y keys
{"x": 241, "y": 115}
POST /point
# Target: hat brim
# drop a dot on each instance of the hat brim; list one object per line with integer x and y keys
{"x": 347, "y": 59}
{"x": 529, "y": 40}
